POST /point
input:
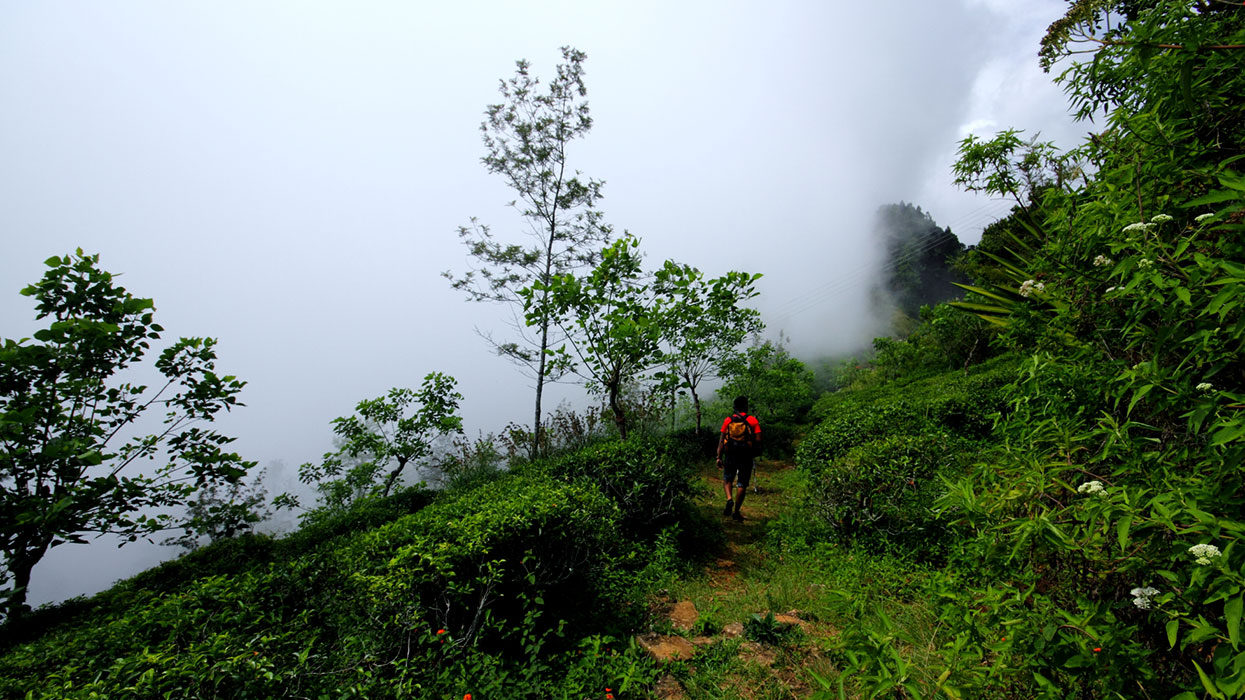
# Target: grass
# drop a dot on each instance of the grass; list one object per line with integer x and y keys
{"x": 765, "y": 565}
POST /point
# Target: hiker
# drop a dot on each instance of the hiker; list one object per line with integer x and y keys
{"x": 739, "y": 443}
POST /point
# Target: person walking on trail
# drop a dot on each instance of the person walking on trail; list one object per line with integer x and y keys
{"x": 739, "y": 443}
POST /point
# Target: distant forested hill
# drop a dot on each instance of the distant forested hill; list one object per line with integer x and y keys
{"x": 916, "y": 267}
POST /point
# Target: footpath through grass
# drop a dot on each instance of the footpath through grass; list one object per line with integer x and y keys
{"x": 767, "y": 565}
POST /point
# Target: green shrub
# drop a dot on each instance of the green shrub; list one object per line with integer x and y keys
{"x": 642, "y": 475}
{"x": 323, "y": 525}
{"x": 690, "y": 444}
{"x": 464, "y": 595}
{"x": 889, "y": 484}
{"x": 855, "y": 424}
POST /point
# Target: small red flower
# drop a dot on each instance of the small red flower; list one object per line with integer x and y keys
{"x": 440, "y": 631}
{"x": 1097, "y": 649}
{"x": 467, "y": 696}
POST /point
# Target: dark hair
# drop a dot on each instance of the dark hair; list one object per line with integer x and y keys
{"x": 741, "y": 404}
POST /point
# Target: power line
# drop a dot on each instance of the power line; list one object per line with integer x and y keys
{"x": 988, "y": 212}
{"x": 843, "y": 282}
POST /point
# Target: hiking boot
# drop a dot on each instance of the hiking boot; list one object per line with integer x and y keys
{"x": 737, "y": 517}
{"x": 730, "y": 508}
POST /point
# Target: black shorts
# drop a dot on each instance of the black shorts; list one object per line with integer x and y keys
{"x": 737, "y": 469}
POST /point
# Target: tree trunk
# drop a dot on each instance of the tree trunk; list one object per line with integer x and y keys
{"x": 620, "y": 419}
{"x": 544, "y": 321}
{"x": 393, "y": 476}
{"x": 540, "y": 387}
{"x": 20, "y": 567}
{"x": 696, "y": 403}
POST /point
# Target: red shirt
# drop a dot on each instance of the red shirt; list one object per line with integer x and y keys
{"x": 751, "y": 419}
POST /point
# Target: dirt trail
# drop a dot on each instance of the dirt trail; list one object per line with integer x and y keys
{"x": 743, "y": 551}
{"x": 706, "y": 616}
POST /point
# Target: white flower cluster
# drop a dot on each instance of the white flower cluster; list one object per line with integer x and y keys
{"x": 1160, "y": 219}
{"x": 1092, "y": 488}
{"x": 1102, "y": 260}
{"x": 1030, "y": 286}
{"x": 1142, "y": 596}
{"x": 1202, "y": 218}
{"x": 1145, "y": 263}
{"x": 1111, "y": 289}
{"x": 1205, "y": 386}
{"x": 1203, "y": 553}
{"x": 1135, "y": 228}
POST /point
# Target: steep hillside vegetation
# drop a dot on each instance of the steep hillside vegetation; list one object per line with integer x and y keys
{"x": 509, "y": 589}
{"x": 1036, "y": 494}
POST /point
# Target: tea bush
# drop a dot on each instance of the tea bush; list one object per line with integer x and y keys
{"x": 889, "y": 484}
{"x": 473, "y": 593}
{"x": 855, "y": 424}
{"x": 643, "y": 475}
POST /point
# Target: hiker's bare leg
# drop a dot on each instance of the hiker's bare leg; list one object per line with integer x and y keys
{"x": 739, "y": 497}
{"x": 726, "y": 487}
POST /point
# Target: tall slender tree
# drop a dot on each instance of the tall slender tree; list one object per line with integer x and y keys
{"x": 526, "y": 139}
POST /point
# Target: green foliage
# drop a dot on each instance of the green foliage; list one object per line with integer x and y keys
{"x": 649, "y": 483}
{"x": 621, "y": 325}
{"x": 1101, "y": 530}
{"x": 68, "y": 421}
{"x": 611, "y": 322}
{"x": 382, "y": 435}
{"x": 498, "y": 590}
{"x": 219, "y": 512}
{"x": 320, "y": 526}
{"x": 831, "y": 374}
{"x": 852, "y": 423}
{"x": 764, "y": 629}
{"x": 779, "y": 388}
{"x": 889, "y": 484}
{"x": 527, "y": 138}
{"x": 471, "y": 464}
{"x": 957, "y": 339}
{"x": 494, "y": 554}
{"x": 962, "y": 402}
{"x": 703, "y": 322}
{"x": 876, "y": 463}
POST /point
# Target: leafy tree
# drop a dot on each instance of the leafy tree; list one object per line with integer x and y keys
{"x": 222, "y": 511}
{"x": 69, "y": 426}
{"x": 526, "y": 137}
{"x": 610, "y": 319}
{"x": 703, "y": 323}
{"x": 385, "y": 433}
{"x": 779, "y": 387}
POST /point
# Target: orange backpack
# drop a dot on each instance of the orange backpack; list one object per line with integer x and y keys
{"x": 740, "y": 437}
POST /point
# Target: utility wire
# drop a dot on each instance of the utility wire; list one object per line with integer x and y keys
{"x": 813, "y": 298}
{"x": 849, "y": 280}
{"x": 972, "y": 218}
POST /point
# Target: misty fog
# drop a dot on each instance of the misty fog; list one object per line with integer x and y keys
{"x": 289, "y": 177}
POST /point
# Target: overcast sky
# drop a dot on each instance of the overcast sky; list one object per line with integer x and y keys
{"x": 288, "y": 177}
